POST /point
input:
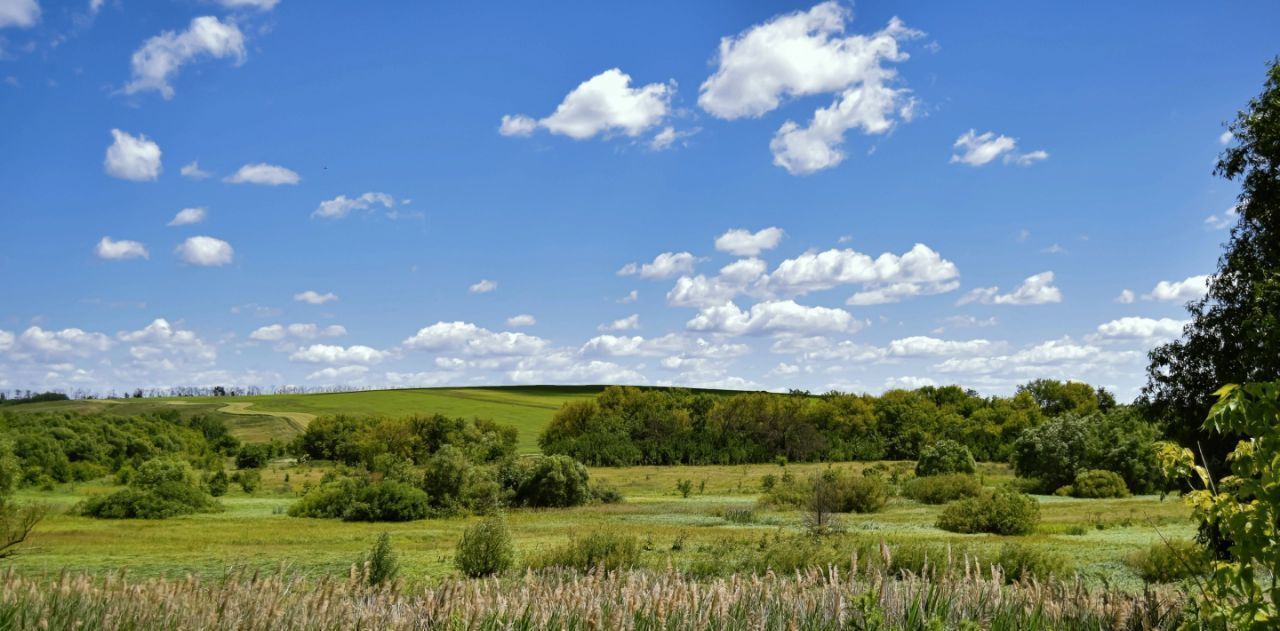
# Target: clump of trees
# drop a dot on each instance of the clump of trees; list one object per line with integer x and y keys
{"x": 160, "y": 489}
{"x": 629, "y": 426}
{"x": 1003, "y": 511}
{"x": 945, "y": 456}
{"x": 1118, "y": 440}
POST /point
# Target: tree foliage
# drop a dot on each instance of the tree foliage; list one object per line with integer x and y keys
{"x": 160, "y": 489}
{"x": 1119, "y": 440}
{"x": 945, "y": 456}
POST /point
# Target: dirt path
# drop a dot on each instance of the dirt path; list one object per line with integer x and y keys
{"x": 297, "y": 420}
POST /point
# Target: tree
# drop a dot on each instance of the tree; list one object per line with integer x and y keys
{"x": 1234, "y": 332}
{"x": 485, "y": 549}
{"x": 15, "y": 523}
{"x": 380, "y": 565}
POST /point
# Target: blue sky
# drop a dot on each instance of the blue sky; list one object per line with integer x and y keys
{"x": 850, "y": 196}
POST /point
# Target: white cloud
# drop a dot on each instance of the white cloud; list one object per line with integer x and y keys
{"x": 613, "y": 345}
{"x": 1225, "y": 137}
{"x": 631, "y": 297}
{"x": 739, "y": 242}
{"x": 664, "y": 265}
{"x": 887, "y": 278}
{"x": 1035, "y": 290}
{"x": 161, "y": 346}
{"x": 629, "y": 323}
{"x": 701, "y": 291}
{"x": 1072, "y": 357}
{"x": 923, "y": 346}
{"x": 332, "y": 354}
{"x": 780, "y": 316}
{"x": 908, "y": 383}
{"x": 123, "y": 249}
{"x": 806, "y": 150}
{"x": 1228, "y": 219}
{"x": 1192, "y": 288}
{"x": 6, "y": 340}
{"x": 668, "y": 137}
{"x": 1144, "y": 329}
{"x": 339, "y": 374}
{"x": 19, "y": 13}
{"x": 261, "y": 5}
{"x": 205, "y": 251}
{"x": 523, "y": 319}
{"x": 161, "y": 56}
{"x": 470, "y": 339}
{"x": 977, "y": 150}
{"x": 132, "y": 157}
{"x": 819, "y": 348}
{"x": 313, "y": 297}
{"x": 305, "y": 331}
{"x": 483, "y": 287}
{"x": 603, "y": 104}
{"x": 188, "y": 216}
{"x": 569, "y": 368}
{"x": 58, "y": 344}
{"x": 262, "y": 173}
{"x": 1126, "y": 297}
{"x": 193, "y": 171}
{"x": 341, "y": 206}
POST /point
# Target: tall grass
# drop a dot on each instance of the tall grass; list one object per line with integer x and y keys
{"x": 968, "y": 598}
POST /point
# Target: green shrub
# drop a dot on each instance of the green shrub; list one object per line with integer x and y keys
{"x": 940, "y": 489}
{"x": 945, "y": 456}
{"x": 1022, "y": 562}
{"x": 863, "y": 494}
{"x": 485, "y": 548}
{"x": 355, "y": 499}
{"x": 1118, "y": 440}
{"x": 219, "y": 483}
{"x": 250, "y": 480}
{"x": 598, "y": 550}
{"x": 605, "y": 494}
{"x": 1003, "y": 512}
{"x": 160, "y": 489}
{"x": 1169, "y": 562}
{"x": 1098, "y": 483}
{"x": 739, "y": 515}
{"x": 253, "y": 456}
{"x": 550, "y": 481}
{"x": 684, "y": 487}
{"x": 380, "y": 564}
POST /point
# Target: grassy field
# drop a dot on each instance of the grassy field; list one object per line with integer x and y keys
{"x": 254, "y": 532}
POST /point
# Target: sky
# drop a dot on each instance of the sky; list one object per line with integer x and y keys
{"x": 733, "y": 194}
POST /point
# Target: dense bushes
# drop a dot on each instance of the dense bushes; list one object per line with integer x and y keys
{"x": 596, "y": 551}
{"x": 485, "y": 549}
{"x": 940, "y": 489}
{"x": 357, "y": 497}
{"x": 1168, "y": 562}
{"x": 833, "y": 490}
{"x": 552, "y": 481}
{"x": 361, "y": 440}
{"x": 945, "y": 456}
{"x": 1117, "y": 440}
{"x": 1096, "y": 483}
{"x": 1023, "y": 562}
{"x": 160, "y": 489}
{"x": 1004, "y": 511}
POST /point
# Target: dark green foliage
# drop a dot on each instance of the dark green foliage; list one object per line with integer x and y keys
{"x": 605, "y": 494}
{"x": 16, "y": 522}
{"x": 596, "y": 551}
{"x": 1055, "y": 452}
{"x": 253, "y": 456}
{"x": 1098, "y": 483}
{"x": 945, "y": 456}
{"x": 250, "y": 480}
{"x": 684, "y": 487}
{"x": 549, "y": 481}
{"x": 34, "y": 398}
{"x": 380, "y": 565}
{"x": 940, "y": 489}
{"x": 357, "y": 498}
{"x": 630, "y": 426}
{"x": 160, "y": 489}
{"x": 485, "y": 548}
{"x": 1168, "y": 562}
{"x": 218, "y": 483}
{"x": 863, "y": 493}
{"x": 359, "y": 441}
{"x": 1023, "y": 562}
{"x": 1001, "y": 512}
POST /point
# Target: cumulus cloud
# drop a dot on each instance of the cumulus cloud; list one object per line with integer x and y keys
{"x": 563, "y": 367}
{"x": 613, "y": 345}
{"x": 1226, "y": 220}
{"x": 302, "y": 331}
{"x": 702, "y": 291}
{"x": 188, "y": 216}
{"x": 976, "y": 150}
{"x": 1126, "y": 297}
{"x": 160, "y": 57}
{"x": 162, "y": 346}
{"x": 193, "y": 171}
{"x": 603, "y": 104}
{"x": 629, "y": 323}
{"x": 923, "y": 346}
{"x": 470, "y": 339}
{"x": 123, "y": 249}
{"x": 333, "y": 354}
{"x": 523, "y": 319}
{"x": 1225, "y": 137}
{"x": 70, "y": 342}
{"x": 341, "y": 206}
{"x": 1064, "y": 353}
{"x": 339, "y": 374}
{"x": 908, "y": 382}
{"x": 1143, "y": 329}
{"x": 1192, "y": 288}
{"x": 205, "y": 251}
{"x": 631, "y": 297}
{"x": 261, "y": 5}
{"x": 1035, "y": 290}
{"x": 483, "y": 287}
{"x": 887, "y": 278}
{"x": 771, "y": 317}
{"x": 739, "y": 242}
{"x": 132, "y": 157}
{"x": 313, "y": 297}
{"x": 669, "y": 136}
{"x": 262, "y": 173}
{"x": 19, "y": 13}
{"x": 806, "y": 53}
{"x": 664, "y": 265}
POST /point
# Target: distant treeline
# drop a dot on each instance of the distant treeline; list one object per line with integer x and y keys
{"x": 628, "y": 426}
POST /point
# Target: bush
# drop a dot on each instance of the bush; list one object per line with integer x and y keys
{"x": 253, "y": 456}
{"x": 598, "y": 550}
{"x": 940, "y": 489}
{"x": 863, "y": 494}
{"x": 550, "y": 481}
{"x": 355, "y": 499}
{"x": 485, "y": 549}
{"x": 1097, "y": 483}
{"x": 380, "y": 565}
{"x": 250, "y": 480}
{"x": 1119, "y": 441}
{"x": 1023, "y": 562}
{"x": 219, "y": 483}
{"x": 160, "y": 489}
{"x": 945, "y": 456}
{"x": 605, "y": 494}
{"x": 1002, "y": 512}
{"x": 1169, "y": 562}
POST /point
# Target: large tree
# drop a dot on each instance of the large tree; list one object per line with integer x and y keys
{"x": 1234, "y": 332}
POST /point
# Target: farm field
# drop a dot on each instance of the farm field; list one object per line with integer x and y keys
{"x": 692, "y": 533}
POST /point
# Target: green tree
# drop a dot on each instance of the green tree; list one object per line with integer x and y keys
{"x": 1234, "y": 333}
{"x": 380, "y": 564}
{"x": 485, "y": 548}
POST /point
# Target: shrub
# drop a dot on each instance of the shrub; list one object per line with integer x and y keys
{"x": 605, "y": 494}
{"x": 160, "y": 489}
{"x": 219, "y": 483}
{"x": 485, "y": 548}
{"x": 945, "y": 456}
{"x": 253, "y": 456}
{"x": 550, "y": 481}
{"x": 684, "y": 487}
{"x": 940, "y": 489}
{"x": 1097, "y": 483}
{"x": 1002, "y": 512}
{"x": 1023, "y": 562}
{"x": 864, "y": 494}
{"x": 1167, "y": 562}
{"x": 598, "y": 550}
{"x": 250, "y": 480}
{"x": 380, "y": 564}
{"x": 1119, "y": 441}
{"x": 355, "y": 499}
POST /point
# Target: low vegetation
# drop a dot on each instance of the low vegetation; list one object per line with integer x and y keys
{"x": 940, "y": 489}
{"x": 1003, "y": 511}
{"x": 160, "y": 489}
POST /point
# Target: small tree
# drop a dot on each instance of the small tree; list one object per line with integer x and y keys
{"x": 824, "y": 502}
{"x": 380, "y": 565}
{"x": 945, "y": 456}
{"x": 219, "y": 483}
{"x": 485, "y": 548}
{"x": 685, "y": 487}
{"x": 16, "y": 523}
